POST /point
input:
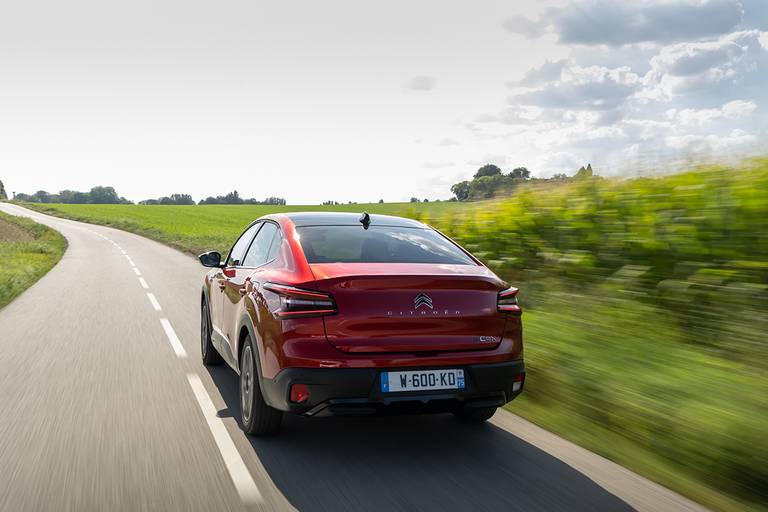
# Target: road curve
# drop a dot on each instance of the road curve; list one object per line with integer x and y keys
{"x": 104, "y": 405}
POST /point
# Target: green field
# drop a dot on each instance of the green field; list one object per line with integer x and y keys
{"x": 28, "y": 251}
{"x": 646, "y": 311}
{"x": 196, "y": 229}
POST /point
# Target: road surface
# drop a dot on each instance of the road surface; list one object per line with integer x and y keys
{"x": 105, "y": 405}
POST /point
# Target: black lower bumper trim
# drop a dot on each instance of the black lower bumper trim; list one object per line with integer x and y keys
{"x": 355, "y": 391}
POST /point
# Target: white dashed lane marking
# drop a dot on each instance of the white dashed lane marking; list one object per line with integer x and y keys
{"x": 244, "y": 483}
{"x": 153, "y": 301}
{"x": 136, "y": 270}
{"x": 172, "y": 338}
{"x": 143, "y": 283}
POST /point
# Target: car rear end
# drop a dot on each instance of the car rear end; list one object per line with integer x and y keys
{"x": 411, "y": 323}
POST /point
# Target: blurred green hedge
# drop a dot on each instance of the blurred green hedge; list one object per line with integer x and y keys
{"x": 647, "y": 322}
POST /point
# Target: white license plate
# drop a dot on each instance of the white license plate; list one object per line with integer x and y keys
{"x": 421, "y": 380}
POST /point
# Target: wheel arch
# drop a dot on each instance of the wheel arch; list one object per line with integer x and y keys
{"x": 247, "y": 328}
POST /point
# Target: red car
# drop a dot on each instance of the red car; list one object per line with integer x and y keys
{"x": 337, "y": 313}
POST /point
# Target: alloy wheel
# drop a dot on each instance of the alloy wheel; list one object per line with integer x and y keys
{"x": 247, "y": 384}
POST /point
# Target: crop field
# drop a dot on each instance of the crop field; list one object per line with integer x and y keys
{"x": 646, "y": 310}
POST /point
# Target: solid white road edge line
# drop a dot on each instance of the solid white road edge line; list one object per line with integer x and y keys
{"x": 171, "y": 334}
{"x": 638, "y": 492}
{"x": 143, "y": 283}
{"x": 153, "y": 300}
{"x": 244, "y": 483}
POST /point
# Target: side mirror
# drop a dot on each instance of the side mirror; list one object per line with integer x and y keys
{"x": 210, "y": 259}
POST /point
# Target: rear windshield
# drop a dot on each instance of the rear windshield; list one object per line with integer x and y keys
{"x": 378, "y": 244}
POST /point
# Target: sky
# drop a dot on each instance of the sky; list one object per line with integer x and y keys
{"x": 361, "y": 101}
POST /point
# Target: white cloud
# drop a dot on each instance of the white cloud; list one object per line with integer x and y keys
{"x": 614, "y": 23}
{"x": 692, "y": 117}
{"x": 547, "y": 72}
{"x": 526, "y": 27}
{"x": 729, "y": 60}
{"x": 699, "y": 144}
{"x": 583, "y": 88}
{"x": 421, "y": 83}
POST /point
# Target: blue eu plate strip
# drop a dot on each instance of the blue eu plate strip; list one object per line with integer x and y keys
{"x": 384, "y": 382}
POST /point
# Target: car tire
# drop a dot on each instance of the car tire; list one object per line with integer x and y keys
{"x": 210, "y": 355}
{"x": 256, "y": 417}
{"x": 480, "y": 415}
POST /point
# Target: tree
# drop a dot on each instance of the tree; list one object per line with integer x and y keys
{"x": 41, "y": 196}
{"x": 487, "y": 170}
{"x": 274, "y": 201}
{"x": 104, "y": 195}
{"x": 381, "y": 201}
{"x": 520, "y": 173}
{"x": 483, "y": 187}
{"x": 233, "y": 198}
{"x": 3, "y": 194}
{"x": 461, "y": 190}
{"x": 415, "y": 200}
{"x": 181, "y": 199}
{"x": 583, "y": 173}
{"x": 81, "y": 198}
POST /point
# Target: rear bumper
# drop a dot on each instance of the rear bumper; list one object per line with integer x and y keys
{"x": 338, "y": 391}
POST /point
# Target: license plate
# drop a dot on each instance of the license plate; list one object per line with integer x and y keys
{"x": 421, "y": 380}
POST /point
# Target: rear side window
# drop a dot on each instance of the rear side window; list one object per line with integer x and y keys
{"x": 238, "y": 250}
{"x": 257, "y": 252}
{"x": 378, "y": 244}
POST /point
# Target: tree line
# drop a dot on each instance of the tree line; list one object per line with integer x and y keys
{"x": 97, "y": 195}
{"x": 490, "y": 181}
{"x": 108, "y": 195}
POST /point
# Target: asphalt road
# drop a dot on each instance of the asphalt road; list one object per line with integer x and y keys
{"x": 101, "y": 410}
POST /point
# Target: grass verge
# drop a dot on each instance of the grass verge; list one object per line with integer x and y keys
{"x": 28, "y": 250}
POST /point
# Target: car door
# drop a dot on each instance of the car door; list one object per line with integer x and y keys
{"x": 235, "y": 290}
{"x": 219, "y": 285}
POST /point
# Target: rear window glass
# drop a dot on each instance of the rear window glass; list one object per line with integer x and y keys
{"x": 378, "y": 244}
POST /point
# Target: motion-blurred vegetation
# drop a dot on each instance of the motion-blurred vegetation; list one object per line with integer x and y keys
{"x": 27, "y": 251}
{"x": 647, "y": 336}
{"x": 646, "y": 319}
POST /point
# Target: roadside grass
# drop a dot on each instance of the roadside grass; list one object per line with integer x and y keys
{"x": 646, "y": 310}
{"x": 617, "y": 377}
{"x": 28, "y": 250}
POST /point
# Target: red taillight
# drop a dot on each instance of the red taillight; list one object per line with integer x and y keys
{"x": 300, "y": 303}
{"x": 507, "y": 301}
{"x": 299, "y": 393}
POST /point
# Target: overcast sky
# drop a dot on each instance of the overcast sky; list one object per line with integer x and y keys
{"x": 350, "y": 100}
